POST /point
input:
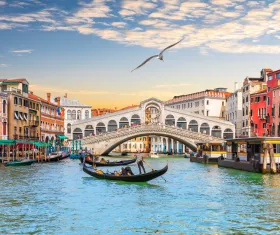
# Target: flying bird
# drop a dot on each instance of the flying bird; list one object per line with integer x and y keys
{"x": 159, "y": 56}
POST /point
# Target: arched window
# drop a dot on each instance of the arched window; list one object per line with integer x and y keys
{"x": 123, "y": 122}
{"x": 205, "y": 128}
{"x": 228, "y": 133}
{"x": 112, "y": 126}
{"x": 69, "y": 117}
{"x": 4, "y": 106}
{"x": 182, "y": 123}
{"x": 77, "y": 134}
{"x": 216, "y": 132}
{"x": 135, "y": 119}
{"x": 170, "y": 120}
{"x": 79, "y": 115}
{"x": 193, "y": 126}
{"x": 100, "y": 128}
{"x": 68, "y": 128}
{"x": 74, "y": 114}
{"x": 87, "y": 114}
{"x": 89, "y": 130}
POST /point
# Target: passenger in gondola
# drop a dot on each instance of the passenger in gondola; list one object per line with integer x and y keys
{"x": 129, "y": 171}
{"x": 124, "y": 172}
{"x": 103, "y": 161}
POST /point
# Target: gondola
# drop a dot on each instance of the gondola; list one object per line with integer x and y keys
{"x": 25, "y": 162}
{"x": 119, "y": 163}
{"x": 133, "y": 178}
{"x": 64, "y": 155}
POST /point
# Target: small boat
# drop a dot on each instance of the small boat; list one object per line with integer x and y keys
{"x": 20, "y": 163}
{"x": 54, "y": 157}
{"x": 154, "y": 155}
{"x": 133, "y": 178}
{"x": 124, "y": 153}
{"x": 64, "y": 155}
{"x": 118, "y": 163}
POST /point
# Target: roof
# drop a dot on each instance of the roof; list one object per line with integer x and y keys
{"x": 65, "y": 102}
{"x": 129, "y": 107}
{"x": 259, "y": 92}
{"x": 35, "y": 97}
{"x": 20, "y": 80}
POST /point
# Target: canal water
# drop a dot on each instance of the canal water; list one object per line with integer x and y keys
{"x": 59, "y": 198}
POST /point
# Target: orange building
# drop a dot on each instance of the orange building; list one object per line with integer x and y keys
{"x": 4, "y": 116}
{"x": 52, "y": 118}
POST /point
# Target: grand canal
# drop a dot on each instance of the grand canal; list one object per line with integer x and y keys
{"x": 59, "y": 198}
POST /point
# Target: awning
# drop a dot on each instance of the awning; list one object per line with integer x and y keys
{"x": 7, "y": 142}
{"x": 32, "y": 111}
{"x": 41, "y": 144}
{"x": 62, "y": 137}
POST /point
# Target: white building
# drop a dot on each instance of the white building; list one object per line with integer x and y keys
{"x": 208, "y": 103}
{"x": 234, "y": 109}
{"x": 73, "y": 111}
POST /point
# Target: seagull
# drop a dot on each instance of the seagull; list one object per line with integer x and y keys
{"x": 159, "y": 56}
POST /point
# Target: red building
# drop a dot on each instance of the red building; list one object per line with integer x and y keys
{"x": 258, "y": 113}
{"x": 273, "y": 81}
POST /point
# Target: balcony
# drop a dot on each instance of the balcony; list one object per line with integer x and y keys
{"x": 262, "y": 117}
{"x": 26, "y": 137}
{"x": 12, "y": 89}
{"x": 33, "y": 123}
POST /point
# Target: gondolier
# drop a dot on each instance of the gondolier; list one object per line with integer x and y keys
{"x": 140, "y": 161}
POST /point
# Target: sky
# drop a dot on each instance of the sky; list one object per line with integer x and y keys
{"x": 88, "y": 48}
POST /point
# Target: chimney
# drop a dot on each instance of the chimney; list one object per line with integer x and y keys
{"x": 235, "y": 86}
{"x": 49, "y": 97}
{"x": 65, "y": 96}
{"x": 58, "y": 101}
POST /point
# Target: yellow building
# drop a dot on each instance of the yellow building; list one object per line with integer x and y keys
{"x": 23, "y": 112}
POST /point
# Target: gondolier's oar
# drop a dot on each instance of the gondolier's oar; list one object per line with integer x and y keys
{"x": 154, "y": 170}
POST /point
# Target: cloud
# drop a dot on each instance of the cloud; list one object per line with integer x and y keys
{"x": 2, "y": 3}
{"x": 140, "y": 7}
{"x": 119, "y": 24}
{"x": 3, "y": 65}
{"x": 37, "y": 88}
{"x": 22, "y": 51}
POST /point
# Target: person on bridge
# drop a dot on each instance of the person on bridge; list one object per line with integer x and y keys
{"x": 140, "y": 163}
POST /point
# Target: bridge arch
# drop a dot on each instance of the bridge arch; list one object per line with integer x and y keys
{"x": 216, "y": 131}
{"x": 193, "y": 126}
{"x": 189, "y": 143}
{"x": 89, "y": 130}
{"x": 182, "y": 123}
{"x": 77, "y": 134}
{"x": 170, "y": 120}
{"x": 112, "y": 126}
{"x": 205, "y": 128}
{"x": 100, "y": 128}
{"x": 135, "y": 119}
{"x": 123, "y": 122}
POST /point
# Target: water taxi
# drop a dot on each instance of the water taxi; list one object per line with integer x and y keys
{"x": 209, "y": 152}
{"x": 256, "y": 154}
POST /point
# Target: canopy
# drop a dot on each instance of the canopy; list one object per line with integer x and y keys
{"x": 62, "y": 137}
{"x": 7, "y": 142}
{"x": 41, "y": 144}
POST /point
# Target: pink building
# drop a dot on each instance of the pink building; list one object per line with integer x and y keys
{"x": 275, "y": 127}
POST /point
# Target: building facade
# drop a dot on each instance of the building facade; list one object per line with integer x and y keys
{"x": 234, "y": 109}
{"x": 258, "y": 113}
{"x": 52, "y": 119}
{"x": 209, "y": 103}
{"x": 73, "y": 111}
{"x": 23, "y": 112}
{"x": 3, "y": 116}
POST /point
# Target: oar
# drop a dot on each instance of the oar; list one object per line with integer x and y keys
{"x": 154, "y": 170}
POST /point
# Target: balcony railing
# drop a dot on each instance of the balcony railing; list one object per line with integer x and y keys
{"x": 34, "y": 123}
{"x": 26, "y": 137}
{"x": 12, "y": 89}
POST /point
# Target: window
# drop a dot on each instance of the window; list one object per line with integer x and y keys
{"x": 20, "y": 101}
{"x": 16, "y": 115}
{"x": 69, "y": 117}
{"x": 246, "y": 122}
{"x": 37, "y": 107}
{"x": 4, "y": 128}
{"x": 243, "y": 112}
{"x": 197, "y": 104}
{"x": 268, "y": 101}
{"x": 15, "y": 100}
{"x": 257, "y": 99}
{"x": 207, "y": 102}
{"x": 207, "y": 113}
{"x": 277, "y": 75}
{"x": 243, "y": 124}
{"x": 264, "y": 98}
{"x": 269, "y": 77}
{"x": 223, "y": 103}
{"x": 25, "y": 88}
{"x": 247, "y": 87}
{"x": 246, "y": 110}
{"x": 247, "y": 99}
{"x": 264, "y": 125}
{"x": 268, "y": 88}
{"x": 26, "y": 103}
{"x": 87, "y": 114}
{"x": 4, "y": 106}
{"x": 251, "y": 112}
{"x": 223, "y": 114}
{"x": 79, "y": 115}
{"x": 243, "y": 101}
{"x": 273, "y": 110}
{"x": 273, "y": 93}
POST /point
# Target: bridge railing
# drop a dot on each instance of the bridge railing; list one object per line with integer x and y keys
{"x": 149, "y": 128}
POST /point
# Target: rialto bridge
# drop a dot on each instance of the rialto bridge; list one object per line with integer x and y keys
{"x": 104, "y": 133}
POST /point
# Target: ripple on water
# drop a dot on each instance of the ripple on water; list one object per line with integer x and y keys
{"x": 59, "y": 198}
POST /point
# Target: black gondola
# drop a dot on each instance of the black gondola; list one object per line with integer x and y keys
{"x": 119, "y": 163}
{"x": 133, "y": 178}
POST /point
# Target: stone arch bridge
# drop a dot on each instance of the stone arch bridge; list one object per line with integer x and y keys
{"x": 104, "y": 143}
